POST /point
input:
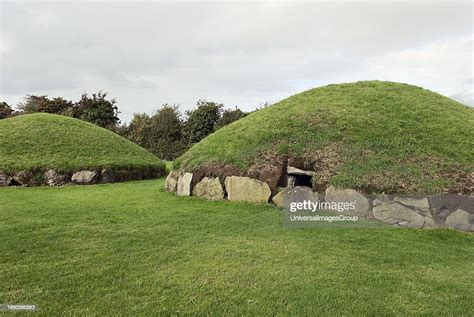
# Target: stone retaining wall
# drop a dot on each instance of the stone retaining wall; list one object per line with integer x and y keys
{"x": 455, "y": 211}
{"x": 83, "y": 177}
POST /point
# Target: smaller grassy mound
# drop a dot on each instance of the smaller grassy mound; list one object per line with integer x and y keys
{"x": 47, "y": 141}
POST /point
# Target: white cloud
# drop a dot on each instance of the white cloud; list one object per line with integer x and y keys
{"x": 445, "y": 66}
{"x": 146, "y": 54}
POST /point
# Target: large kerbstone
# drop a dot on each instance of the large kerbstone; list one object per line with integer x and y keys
{"x": 247, "y": 189}
{"x": 125, "y": 175}
{"x": 108, "y": 176}
{"x": 171, "y": 183}
{"x": 295, "y": 194}
{"x": 296, "y": 171}
{"x": 442, "y": 206}
{"x": 461, "y": 220}
{"x": 362, "y": 204}
{"x": 28, "y": 178}
{"x": 418, "y": 203}
{"x": 184, "y": 184}
{"x": 397, "y": 214}
{"x": 85, "y": 177}
{"x": 5, "y": 179}
{"x": 54, "y": 178}
{"x": 271, "y": 175}
{"x": 209, "y": 188}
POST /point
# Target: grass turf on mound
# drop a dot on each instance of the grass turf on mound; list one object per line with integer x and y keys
{"x": 378, "y": 136}
{"x": 41, "y": 141}
{"x": 133, "y": 249}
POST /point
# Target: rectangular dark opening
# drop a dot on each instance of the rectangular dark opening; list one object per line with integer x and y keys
{"x": 300, "y": 180}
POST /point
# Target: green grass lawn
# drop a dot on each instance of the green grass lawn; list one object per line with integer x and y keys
{"x": 131, "y": 248}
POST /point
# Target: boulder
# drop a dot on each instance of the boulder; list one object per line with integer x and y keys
{"x": 137, "y": 174}
{"x": 85, "y": 177}
{"x": 362, "y": 204}
{"x": 209, "y": 188}
{"x": 171, "y": 183}
{"x": 5, "y": 179}
{"x": 271, "y": 175}
{"x": 429, "y": 222}
{"x": 209, "y": 170}
{"x": 155, "y": 173}
{"x": 28, "y": 178}
{"x": 290, "y": 170}
{"x": 184, "y": 184}
{"x": 397, "y": 214}
{"x": 418, "y": 203}
{"x": 279, "y": 198}
{"x": 247, "y": 189}
{"x": 461, "y": 220}
{"x": 108, "y": 176}
{"x": 270, "y": 171}
{"x": 124, "y": 175}
{"x": 295, "y": 194}
{"x": 443, "y": 205}
{"x": 54, "y": 178}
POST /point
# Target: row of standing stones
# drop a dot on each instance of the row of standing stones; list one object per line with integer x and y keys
{"x": 84, "y": 177}
{"x": 454, "y": 211}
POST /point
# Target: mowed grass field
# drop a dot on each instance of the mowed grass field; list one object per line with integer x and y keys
{"x": 131, "y": 248}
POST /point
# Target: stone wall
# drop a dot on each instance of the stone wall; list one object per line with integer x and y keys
{"x": 51, "y": 177}
{"x": 455, "y": 211}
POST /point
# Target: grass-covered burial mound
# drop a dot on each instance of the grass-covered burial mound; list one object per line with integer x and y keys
{"x": 372, "y": 136}
{"x": 50, "y": 149}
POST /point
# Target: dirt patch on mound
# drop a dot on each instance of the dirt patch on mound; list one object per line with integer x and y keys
{"x": 464, "y": 183}
{"x": 271, "y": 169}
{"x": 220, "y": 171}
{"x": 327, "y": 163}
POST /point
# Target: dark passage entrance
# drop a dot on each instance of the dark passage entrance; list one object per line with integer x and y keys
{"x": 300, "y": 180}
{"x": 303, "y": 180}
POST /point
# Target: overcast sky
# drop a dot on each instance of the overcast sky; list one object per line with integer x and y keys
{"x": 240, "y": 54}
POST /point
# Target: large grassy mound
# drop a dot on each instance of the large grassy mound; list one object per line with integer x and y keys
{"x": 40, "y": 141}
{"x": 376, "y": 136}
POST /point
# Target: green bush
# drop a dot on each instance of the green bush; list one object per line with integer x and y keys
{"x": 5, "y": 110}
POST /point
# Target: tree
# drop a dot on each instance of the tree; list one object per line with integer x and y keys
{"x": 202, "y": 121}
{"x": 97, "y": 110}
{"x": 32, "y": 104}
{"x": 229, "y": 116}
{"x": 165, "y": 134}
{"x": 5, "y": 110}
{"x": 139, "y": 128}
